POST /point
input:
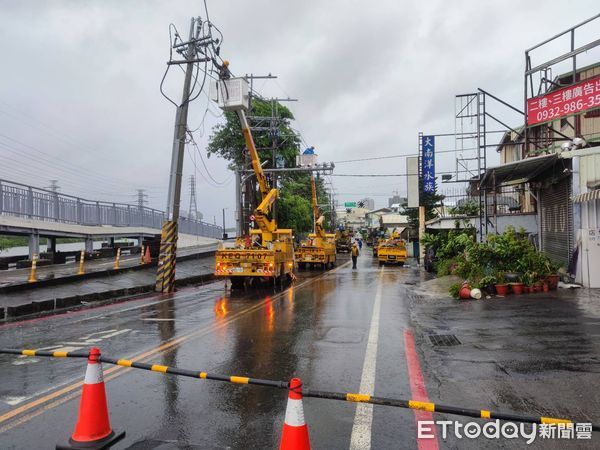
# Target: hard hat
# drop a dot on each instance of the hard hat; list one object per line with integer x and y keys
{"x": 225, "y": 63}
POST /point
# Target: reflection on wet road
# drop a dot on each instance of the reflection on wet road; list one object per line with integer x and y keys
{"x": 345, "y": 330}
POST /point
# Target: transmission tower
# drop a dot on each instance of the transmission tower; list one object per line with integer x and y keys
{"x": 141, "y": 198}
{"x": 193, "y": 213}
{"x": 54, "y": 187}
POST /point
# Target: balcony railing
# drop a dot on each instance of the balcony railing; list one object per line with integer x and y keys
{"x": 505, "y": 200}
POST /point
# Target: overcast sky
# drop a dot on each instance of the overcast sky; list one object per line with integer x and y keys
{"x": 79, "y": 97}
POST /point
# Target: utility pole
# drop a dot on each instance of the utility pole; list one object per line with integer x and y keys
{"x": 165, "y": 276}
{"x": 269, "y": 124}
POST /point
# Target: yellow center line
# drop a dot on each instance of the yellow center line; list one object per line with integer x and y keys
{"x": 119, "y": 370}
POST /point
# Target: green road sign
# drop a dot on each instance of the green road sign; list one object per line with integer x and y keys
{"x": 350, "y": 205}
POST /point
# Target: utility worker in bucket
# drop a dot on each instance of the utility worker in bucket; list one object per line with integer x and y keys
{"x": 354, "y": 253}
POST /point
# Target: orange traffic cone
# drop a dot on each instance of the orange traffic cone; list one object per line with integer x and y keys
{"x": 295, "y": 430}
{"x": 92, "y": 430}
{"x": 147, "y": 256}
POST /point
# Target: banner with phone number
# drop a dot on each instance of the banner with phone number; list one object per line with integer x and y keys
{"x": 563, "y": 102}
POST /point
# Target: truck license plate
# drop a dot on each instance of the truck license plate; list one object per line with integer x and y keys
{"x": 391, "y": 257}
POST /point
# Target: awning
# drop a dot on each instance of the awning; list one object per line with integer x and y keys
{"x": 517, "y": 172}
{"x": 588, "y": 196}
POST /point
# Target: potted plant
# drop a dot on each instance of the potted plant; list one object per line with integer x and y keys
{"x": 537, "y": 285}
{"x": 552, "y": 276}
{"x": 528, "y": 282}
{"x": 487, "y": 284}
{"x": 501, "y": 286}
{"x": 517, "y": 287}
{"x": 454, "y": 290}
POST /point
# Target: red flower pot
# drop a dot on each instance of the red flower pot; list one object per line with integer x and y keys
{"x": 517, "y": 288}
{"x": 552, "y": 281}
{"x": 526, "y": 289}
{"x": 501, "y": 289}
{"x": 537, "y": 287}
{"x": 465, "y": 291}
{"x": 545, "y": 287}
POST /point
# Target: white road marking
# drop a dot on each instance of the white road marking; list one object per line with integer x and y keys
{"x": 363, "y": 419}
{"x": 12, "y": 401}
{"x": 159, "y": 320}
{"x": 15, "y": 400}
{"x": 21, "y": 360}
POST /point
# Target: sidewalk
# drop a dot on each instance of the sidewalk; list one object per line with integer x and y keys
{"x": 123, "y": 283}
{"x": 16, "y": 280}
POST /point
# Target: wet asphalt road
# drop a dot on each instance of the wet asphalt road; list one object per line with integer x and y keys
{"x": 344, "y": 330}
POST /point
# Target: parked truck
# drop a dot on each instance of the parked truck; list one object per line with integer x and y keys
{"x": 343, "y": 242}
{"x": 392, "y": 251}
{"x": 320, "y": 247}
{"x": 268, "y": 252}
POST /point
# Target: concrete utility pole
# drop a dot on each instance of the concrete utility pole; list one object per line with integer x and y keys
{"x": 165, "y": 276}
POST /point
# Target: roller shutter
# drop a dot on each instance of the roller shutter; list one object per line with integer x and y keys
{"x": 557, "y": 221}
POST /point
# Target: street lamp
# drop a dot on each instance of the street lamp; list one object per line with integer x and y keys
{"x": 224, "y": 233}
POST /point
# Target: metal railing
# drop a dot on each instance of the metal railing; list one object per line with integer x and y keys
{"x": 21, "y": 200}
{"x": 505, "y": 200}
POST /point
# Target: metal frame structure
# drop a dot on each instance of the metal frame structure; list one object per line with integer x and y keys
{"x": 473, "y": 108}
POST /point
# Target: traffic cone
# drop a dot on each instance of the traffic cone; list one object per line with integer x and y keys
{"x": 92, "y": 430}
{"x": 295, "y": 430}
{"x": 147, "y": 256}
{"x": 81, "y": 263}
{"x": 118, "y": 258}
{"x": 32, "y": 274}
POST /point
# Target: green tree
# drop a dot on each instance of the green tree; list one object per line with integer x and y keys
{"x": 294, "y": 208}
{"x": 227, "y": 140}
{"x": 296, "y": 186}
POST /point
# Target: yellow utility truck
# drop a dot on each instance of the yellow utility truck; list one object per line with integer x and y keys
{"x": 319, "y": 248}
{"x": 392, "y": 251}
{"x": 268, "y": 252}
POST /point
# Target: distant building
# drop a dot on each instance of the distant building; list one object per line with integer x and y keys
{"x": 373, "y": 218}
{"x": 368, "y": 203}
{"x": 397, "y": 199}
{"x": 352, "y": 218}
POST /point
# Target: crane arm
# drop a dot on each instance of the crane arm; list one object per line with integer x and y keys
{"x": 317, "y": 219}
{"x": 256, "y": 166}
{"x": 313, "y": 189}
{"x": 319, "y": 230}
{"x": 261, "y": 212}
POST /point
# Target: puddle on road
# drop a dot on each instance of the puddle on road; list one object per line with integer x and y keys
{"x": 342, "y": 335}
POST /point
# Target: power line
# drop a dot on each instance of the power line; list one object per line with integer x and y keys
{"x": 193, "y": 142}
{"x": 58, "y": 163}
{"x": 399, "y": 156}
